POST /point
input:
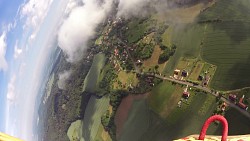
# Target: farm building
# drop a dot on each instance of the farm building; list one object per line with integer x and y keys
{"x": 241, "y": 104}
{"x": 184, "y": 73}
{"x": 233, "y": 97}
{"x": 186, "y": 94}
{"x": 176, "y": 72}
{"x": 200, "y": 78}
{"x": 206, "y": 81}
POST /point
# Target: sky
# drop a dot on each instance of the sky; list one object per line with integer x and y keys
{"x": 30, "y": 30}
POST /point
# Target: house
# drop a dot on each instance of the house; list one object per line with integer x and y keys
{"x": 184, "y": 73}
{"x": 176, "y": 72}
{"x": 185, "y": 93}
{"x": 223, "y": 106}
{"x": 241, "y": 104}
{"x": 206, "y": 80}
{"x": 200, "y": 78}
{"x": 233, "y": 97}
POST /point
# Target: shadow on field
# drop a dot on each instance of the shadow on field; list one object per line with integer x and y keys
{"x": 238, "y": 124}
{"x": 238, "y": 31}
{"x": 239, "y": 74}
{"x": 145, "y": 125}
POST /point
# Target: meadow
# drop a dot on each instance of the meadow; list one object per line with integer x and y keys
{"x": 227, "y": 45}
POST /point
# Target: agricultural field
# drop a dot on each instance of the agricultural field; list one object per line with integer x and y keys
{"x": 233, "y": 10}
{"x": 237, "y": 123}
{"x": 92, "y": 117}
{"x": 90, "y": 82}
{"x": 226, "y": 45}
{"x": 102, "y": 135}
{"x": 75, "y": 131}
{"x": 160, "y": 96}
{"x": 188, "y": 40}
{"x": 159, "y": 118}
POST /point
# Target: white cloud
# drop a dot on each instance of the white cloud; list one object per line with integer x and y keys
{"x": 35, "y": 11}
{"x": 17, "y": 51}
{"x": 128, "y": 8}
{"x": 63, "y": 78}
{"x": 11, "y": 89}
{"x": 3, "y": 46}
{"x": 80, "y": 26}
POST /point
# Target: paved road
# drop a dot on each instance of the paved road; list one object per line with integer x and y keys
{"x": 231, "y": 104}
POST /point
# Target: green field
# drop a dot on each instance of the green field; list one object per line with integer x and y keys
{"x": 227, "y": 45}
{"x": 147, "y": 119}
{"x": 160, "y": 96}
{"x": 237, "y": 123}
{"x": 96, "y": 107}
{"x": 75, "y": 131}
{"x": 228, "y": 10}
{"x": 92, "y": 117}
{"x": 136, "y": 30}
{"x": 90, "y": 82}
{"x": 188, "y": 39}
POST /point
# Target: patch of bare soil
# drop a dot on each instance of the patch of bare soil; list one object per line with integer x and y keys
{"x": 123, "y": 111}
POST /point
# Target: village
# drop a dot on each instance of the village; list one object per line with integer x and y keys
{"x": 127, "y": 59}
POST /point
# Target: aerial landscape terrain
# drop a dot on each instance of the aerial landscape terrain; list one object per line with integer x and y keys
{"x": 157, "y": 77}
{"x": 154, "y": 72}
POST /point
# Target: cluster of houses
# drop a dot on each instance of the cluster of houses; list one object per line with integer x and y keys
{"x": 205, "y": 79}
{"x": 178, "y": 74}
{"x": 241, "y": 104}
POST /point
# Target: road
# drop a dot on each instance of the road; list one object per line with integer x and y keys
{"x": 205, "y": 89}
{"x": 231, "y": 104}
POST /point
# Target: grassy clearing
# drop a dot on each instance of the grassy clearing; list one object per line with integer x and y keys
{"x": 227, "y": 45}
{"x": 126, "y": 80}
{"x": 153, "y": 60}
{"x": 99, "y": 40}
{"x": 188, "y": 41}
{"x": 147, "y": 39}
{"x": 166, "y": 36}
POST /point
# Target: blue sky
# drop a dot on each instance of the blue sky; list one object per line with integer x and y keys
{"x": 28, "y": 30}
{"x": 8, "y": 10}
{"x": 28, "y": 33}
